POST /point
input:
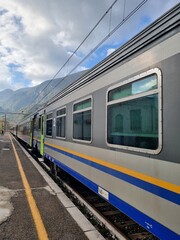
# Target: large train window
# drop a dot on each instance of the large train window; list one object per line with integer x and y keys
{"x": 134, "y": 113}
{"x": 49, "y": 123}
{"x": 61, "y": 123}
{"x": 82, "y": 120}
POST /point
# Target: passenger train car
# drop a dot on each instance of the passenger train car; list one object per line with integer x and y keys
{"x": 117, "y": 131}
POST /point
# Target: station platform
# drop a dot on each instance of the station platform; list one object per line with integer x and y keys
{"x": 32, "y": 206}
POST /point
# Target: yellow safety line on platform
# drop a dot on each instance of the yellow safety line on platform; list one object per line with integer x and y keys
{"x": 41, "y": 231}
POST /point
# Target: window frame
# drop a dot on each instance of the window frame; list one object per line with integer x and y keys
{"x": 61, "y": 116}
{"x": 50, "y": 136}
{"x": 158, "y": 91}
{"x": 79, "y": 111}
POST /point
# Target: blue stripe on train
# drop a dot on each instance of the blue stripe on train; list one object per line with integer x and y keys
{"x": 148, "y": 223}
{"x": 159, "y": 191}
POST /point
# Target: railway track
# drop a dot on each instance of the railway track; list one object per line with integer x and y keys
{"x": 121, "y": 223}
{"x": 109, "y": 221}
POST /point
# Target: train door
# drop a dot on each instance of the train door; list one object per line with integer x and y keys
{"x": 42, "y": 136}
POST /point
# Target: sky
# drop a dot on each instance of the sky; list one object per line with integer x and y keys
{"x": 38, "y": 36}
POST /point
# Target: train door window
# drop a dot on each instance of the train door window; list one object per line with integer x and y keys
{"x": 36, "y": 123}
{"x": 49, "y": 124}
{"x": 134, "y": 113}
{"x": 82, "y": 120}
{"x": 39, "y": 123}
{"x": 61, "y": 123}
{"x": 42, "y": 124}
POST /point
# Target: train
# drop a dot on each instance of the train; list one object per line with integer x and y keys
{"x": 116, "y": 129}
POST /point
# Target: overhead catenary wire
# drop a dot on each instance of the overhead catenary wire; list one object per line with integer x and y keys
{"x": 100, "y": 43}
{"x": 95, "y": 26}
{"x": 95, "y": 48}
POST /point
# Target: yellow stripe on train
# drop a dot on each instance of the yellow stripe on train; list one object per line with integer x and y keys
{"x": 141, "y": 176}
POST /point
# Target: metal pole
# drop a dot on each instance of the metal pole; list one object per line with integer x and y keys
{"x": 5, "y": 123}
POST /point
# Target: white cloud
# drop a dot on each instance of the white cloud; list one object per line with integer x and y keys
{"x": 110, "y": 50}
{"x": 5, "y": 80}
{"x": 37, "y": 36}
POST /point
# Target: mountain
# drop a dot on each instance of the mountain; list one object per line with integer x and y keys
{"x": 29, "y": 99}
{"x": 4, "y": 96}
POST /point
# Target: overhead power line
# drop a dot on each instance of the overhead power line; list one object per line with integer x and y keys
{"x": 95, "y": 48}
{"x": 100, "y": 43}
{"x": 76, "y": 50}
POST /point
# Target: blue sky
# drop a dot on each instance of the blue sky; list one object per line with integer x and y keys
{"x": 38, "y": 36}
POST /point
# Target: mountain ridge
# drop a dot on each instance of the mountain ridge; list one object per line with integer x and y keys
{"x": 29, "y": 99}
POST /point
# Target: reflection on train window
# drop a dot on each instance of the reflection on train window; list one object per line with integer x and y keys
{"x": 61, "y": 123}
{"x": 82, "y": 120}
{"x": 144, "y": 85}
{"x": 49, "y": 123}
{"x": 132, "y": 114}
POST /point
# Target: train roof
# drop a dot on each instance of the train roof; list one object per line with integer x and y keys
{"x": 162, "y": 27}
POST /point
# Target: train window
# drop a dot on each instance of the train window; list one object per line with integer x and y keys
{"x": 61, "y": 123}
{"x": 82, "y": 105}
{"x": 49, "y": 123}
{"x": 133, "y": 113}
{"x": 82, "y": 120}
